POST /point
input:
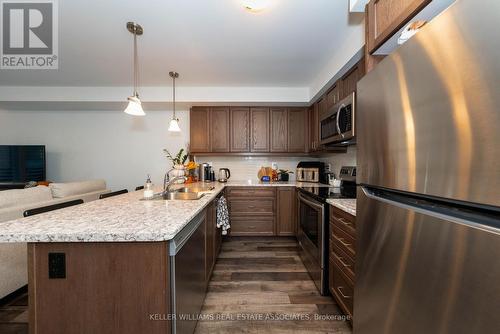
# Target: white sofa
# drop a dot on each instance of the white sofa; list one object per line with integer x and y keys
{"x": 13, "y": 203}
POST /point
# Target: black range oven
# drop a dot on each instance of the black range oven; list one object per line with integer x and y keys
{"x": 313, "y": 213}
{"x": 311, "y": 235}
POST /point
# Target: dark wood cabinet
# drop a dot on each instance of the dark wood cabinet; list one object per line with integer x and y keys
{"x": 219, "y": 129}
{"x": 351, "y": 78}
{"x": 314, "y": 128}
{"x": 259, "y": 129}
{"x": 213, "y": 239}
{"x": 200, "y": 129}
{"x": 386, "y": 17}
{"x": 279, "y": 129}
{"x": 323, "y": 108}
{"x": 333, "y": 96}
{"x": 252, "y": 211}
{"x": 252, "y": 130}
{"x": 342, "y": 256}
{"x": 210, "y": 230}
{"x": 286, "y": 221}
{"x": 297, "y": 130}
{"x": 240, "y": 129}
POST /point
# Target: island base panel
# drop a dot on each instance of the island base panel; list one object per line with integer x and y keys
{"x": 108, "y": 288}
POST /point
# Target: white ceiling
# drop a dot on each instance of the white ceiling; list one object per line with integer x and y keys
{"x": 211, "y": 43}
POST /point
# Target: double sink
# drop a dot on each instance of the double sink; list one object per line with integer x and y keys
{"x": 184, "y": 193}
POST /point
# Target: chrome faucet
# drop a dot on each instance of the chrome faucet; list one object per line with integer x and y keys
{"x": 166, "y": 179}
{"x": 168, "y": 183}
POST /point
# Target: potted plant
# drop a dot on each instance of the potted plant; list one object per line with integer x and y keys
{"x": 178, "y": 161}
{"x": 191, "y": 169}
{"x": 284, "y": 174}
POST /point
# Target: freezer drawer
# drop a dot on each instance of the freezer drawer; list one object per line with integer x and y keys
{"x": 418, "y": 271}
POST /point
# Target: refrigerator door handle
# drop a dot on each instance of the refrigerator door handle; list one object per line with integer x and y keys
{"x": 484, "y": 218}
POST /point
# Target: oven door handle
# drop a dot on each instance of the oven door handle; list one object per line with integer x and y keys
{"x": 318, "y": 206}
{"x": 337, "y": 121}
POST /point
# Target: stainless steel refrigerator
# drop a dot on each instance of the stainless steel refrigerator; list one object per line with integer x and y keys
{"x": 428, "y": 222}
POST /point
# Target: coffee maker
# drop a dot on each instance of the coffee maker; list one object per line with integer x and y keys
{"x": 311, "y": 171}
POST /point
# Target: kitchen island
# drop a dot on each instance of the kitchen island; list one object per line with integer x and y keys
{"x": 121, "y": 265}
{"x": 108, "y": 266}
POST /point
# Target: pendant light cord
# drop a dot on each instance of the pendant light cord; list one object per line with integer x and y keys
{"x": 174, "y": 97}
{"x": 136, "y": 64}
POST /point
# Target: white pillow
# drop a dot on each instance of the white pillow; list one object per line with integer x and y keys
{"x": 60, "y": 190}
{"x": 16, "y": 197}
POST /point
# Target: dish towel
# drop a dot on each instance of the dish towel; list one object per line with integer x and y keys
{"x": 223, "y": 215}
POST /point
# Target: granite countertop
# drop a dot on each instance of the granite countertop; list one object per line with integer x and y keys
{"x": 346, "y": 204}
{"x": 119, "y": 219}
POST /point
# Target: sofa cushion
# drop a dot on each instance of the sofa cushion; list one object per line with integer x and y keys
{"x": 16, "y": 197}
{"x": 60, "y": 190}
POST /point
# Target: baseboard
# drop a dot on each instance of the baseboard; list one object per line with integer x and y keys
{"x": 13, "y": 295}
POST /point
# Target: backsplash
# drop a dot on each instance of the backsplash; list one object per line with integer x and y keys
{"x": 337, "y": 160}
{"x": 246, "y": 168}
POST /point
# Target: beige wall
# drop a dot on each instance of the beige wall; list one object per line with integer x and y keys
{"x": 109, "y": 145}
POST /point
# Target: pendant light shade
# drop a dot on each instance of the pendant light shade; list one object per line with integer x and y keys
{"x": 174, "y": 126}
{"x": 174, "y": 123}
{"x": 134, "y": 106}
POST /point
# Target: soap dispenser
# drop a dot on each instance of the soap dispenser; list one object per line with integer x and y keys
{"x": 148, "y": 188}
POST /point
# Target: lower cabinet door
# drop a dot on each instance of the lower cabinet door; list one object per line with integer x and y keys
{"x": 286, "y": 222}
{"x": 209, "y": 242}
{"x": 341, "y": 288}
{"x": 256, "y": 225}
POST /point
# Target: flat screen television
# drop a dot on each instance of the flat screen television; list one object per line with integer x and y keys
{"x": 22, "y": 163}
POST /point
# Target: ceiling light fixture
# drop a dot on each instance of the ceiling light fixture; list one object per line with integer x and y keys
{"x": 174, "y": 123}
{"x": 410, "y": 30}
{"x": 255, "y": 5}
{"x": 134, "y": 106}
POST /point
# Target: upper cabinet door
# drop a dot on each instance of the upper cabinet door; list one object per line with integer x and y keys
{"x": 351, "y": 78}
{"x": 199, "y": 129}
{"x": 298, "y": 122}
{"x": 219, "y": 129}
{"x": 386, "y": 17}
{"x": 322, "y": 108}
{"x": 333, "y": 95}
{"x": 259, "y": 128}
{"x": 279, "y": 130}
{"x": 314, "y": 127}
{"x": 240, "y": 129}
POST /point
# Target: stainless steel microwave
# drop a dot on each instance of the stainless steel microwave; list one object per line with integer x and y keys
{"x": 338, "y": 124}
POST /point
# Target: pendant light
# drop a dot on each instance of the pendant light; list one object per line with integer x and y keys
{"x": 174, "y": 123}
{"x": 134, "y": 106}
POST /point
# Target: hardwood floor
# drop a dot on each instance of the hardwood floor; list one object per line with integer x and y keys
{"x": 260, "y": 285}
{"x": 14, "y": 316}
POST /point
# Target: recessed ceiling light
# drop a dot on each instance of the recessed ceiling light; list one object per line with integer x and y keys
{"x": 255, "y": 5}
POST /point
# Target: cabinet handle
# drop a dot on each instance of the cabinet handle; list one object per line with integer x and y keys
{"x": 343, "y": 221}
{"x": 339, "y": 288}
{"x": 344, "y": 243}
{"x": 251, "y": 206}
{"x": 341, "y": 260}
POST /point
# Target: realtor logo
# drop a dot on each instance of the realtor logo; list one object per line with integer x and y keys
{"x": 29, "y": 38}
